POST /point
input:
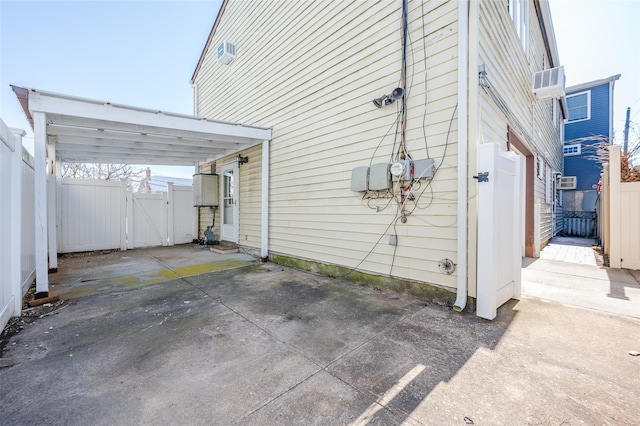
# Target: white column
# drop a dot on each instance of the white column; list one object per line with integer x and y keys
{"x": 125, "y": 217}
{"x": 170, "y": 213}
{"x": 51, "y": 209}
{"x": 196, "y": 210}
{"x": 15, "y": 219}
{"x": 40, "y": 180}
{"x": 58, "y": 204}
{"x": 264, "y": 240}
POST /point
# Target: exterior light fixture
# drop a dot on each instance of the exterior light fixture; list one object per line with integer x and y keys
{"x": 389, "y": 99}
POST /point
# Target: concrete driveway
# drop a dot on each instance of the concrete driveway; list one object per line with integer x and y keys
{"x": 261, "y": 344}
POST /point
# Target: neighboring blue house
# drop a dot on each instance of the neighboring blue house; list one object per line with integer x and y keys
{"x": 590, "y": 125}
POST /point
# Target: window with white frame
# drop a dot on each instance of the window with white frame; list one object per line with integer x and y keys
{"x": 573, "y": 149}
{"x": 548, "y": 190}
{"x": 579, "y": 106}
{"x": 540, "y": 167}
{"x": 559, "y": 197}
{"x": 519, "y": 11}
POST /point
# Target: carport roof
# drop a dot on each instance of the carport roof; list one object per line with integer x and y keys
{"x": 91, "y": 131}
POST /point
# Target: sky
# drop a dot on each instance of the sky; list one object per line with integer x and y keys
{"x": 599, "y": 39}
{"x": 143, "y": 53}
{"x": 138, "y": 53}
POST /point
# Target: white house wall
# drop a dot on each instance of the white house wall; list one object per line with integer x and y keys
{"x": 309, "y": 71}
{"x": 510, "y": 71}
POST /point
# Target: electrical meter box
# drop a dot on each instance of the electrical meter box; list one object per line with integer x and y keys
{"x": 360, "y": 179}
{"x": 205, "y": 190}
{"x": 379, "y": 177}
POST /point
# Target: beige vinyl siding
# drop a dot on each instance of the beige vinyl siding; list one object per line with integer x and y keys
{"x": 249, "y": 200}
{"x": 309, "y": 71}
{"x": 510, "y": 72}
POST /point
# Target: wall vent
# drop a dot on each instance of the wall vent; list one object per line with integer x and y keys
{"x": 549, "y": 83}
{"x": 226, "y": 52}
{"x": 568, "y": 182}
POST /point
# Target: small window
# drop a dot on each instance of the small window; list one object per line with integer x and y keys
{"x": 579, "y": 106}
{"x": 540, "y": 167}
{"x": 548, "y": 187}
{"x": 519, "y": 11}
{"x": 570, "y": 150}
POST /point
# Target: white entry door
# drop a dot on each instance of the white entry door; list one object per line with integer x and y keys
{"x": 229, "y": 211}
{"x": 499, "y": 229}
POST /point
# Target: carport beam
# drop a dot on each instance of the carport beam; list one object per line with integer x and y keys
{"x": 40, "y": 178}
{"x": 264, "y": 249}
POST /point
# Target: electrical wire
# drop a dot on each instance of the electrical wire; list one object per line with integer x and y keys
{"x": 426, "y": 95}
{"x": 435, "y": 171}
{"x": 395, "y": 123}
{"x": 395, "y": 218}
{"x": 395, "y": 246}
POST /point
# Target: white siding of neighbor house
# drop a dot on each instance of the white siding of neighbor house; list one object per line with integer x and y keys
{"x": 309, "y": 71}
{"x": 510, "y": 71}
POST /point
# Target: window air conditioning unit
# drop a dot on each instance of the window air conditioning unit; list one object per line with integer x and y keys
{"x": 568, "y": 182}
{"x": 226, "y": 52}
{"x": 549, "y": 83}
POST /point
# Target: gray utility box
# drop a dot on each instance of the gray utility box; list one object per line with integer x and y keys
{"x": 379, "y": 177}
{"x": 360, "y": 179}
{"x": 423, "y": 169}
{"x": 205, "y": 190}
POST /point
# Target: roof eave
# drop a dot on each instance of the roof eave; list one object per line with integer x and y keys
{"x": 22, "y": 94}
{"x": 594, "y": 83}
{"x": 546, "y": 25}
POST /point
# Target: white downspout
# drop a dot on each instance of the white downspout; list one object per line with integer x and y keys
{"x": 264, "y": 238}
{"x": 463, "y": 52}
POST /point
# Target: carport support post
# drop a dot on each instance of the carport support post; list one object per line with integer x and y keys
{"x": 40, "y": 182}
{"x": 196, "y": 210}
{"x": 264, "y": 246}
{"x": 51, "y": 209}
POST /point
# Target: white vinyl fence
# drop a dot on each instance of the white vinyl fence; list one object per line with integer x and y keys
{"x": 91, "y": 215}
{"x": 103, "y": 215}
{"x": 620, "y": 207}
{"x": 17, "y": 224}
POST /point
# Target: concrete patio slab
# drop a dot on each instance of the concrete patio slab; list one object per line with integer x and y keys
{"x": 610, "y": 290}
{"x": 571, "y": 249}
{"x": 90, "y": 273}
{"x": 264, "y": 344}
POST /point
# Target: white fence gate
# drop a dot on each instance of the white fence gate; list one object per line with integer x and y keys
{"x": 103, "y": 215}
{"x": 17, "y": 223}
{"x": 149, "y": 220}
{"x": 181, "y": 219}
{"x": 499, "y": 229}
